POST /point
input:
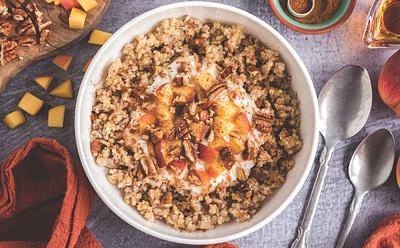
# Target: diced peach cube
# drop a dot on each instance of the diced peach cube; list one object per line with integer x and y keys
{"x": 77, "y": 19}
{"x": 161, "y": 152}
{"x": 63, "y": 90}
{"x": 87, "y": 4}
{"x": 14, "y": 119}
{"x": 203, "y": 176}
{"x": 242, "y": 123}
{"x": 215, "y": 169}
{"x": 177, "y": 166}
{"x": 98, "y": 37}
{"x": 69, "y": 4}
{"x": 198, "y": 130}
{"x": 63, "y": 61}
{"x": 56, "y": 116}
{"x": 30, "y": 104}
{"x": 44, "y": 81}
{"x": 207, "y": 154}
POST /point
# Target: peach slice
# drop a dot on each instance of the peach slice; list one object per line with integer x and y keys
{"x": 145, "y": 121}
{"x": 389, "y": 83}
{"x": 242, "y": 123}
{"x": 161, "y": 152}
{"x": 69, "y": 4}
{"x": 207, "y": 154}
{"x": 165, "y": 94}
{"x": 63, "y": 61}
{"x": 203, "y": 176}
{"x": 198, "y": 130}
{"x": 215, "y": 169}
{"x": 56, "y": 116}
{"x": 185, "y": 94}
{"x": 30, "y": 104}
{"x": 44, "y": 81}
{"x": 56, "y": 2}
{"x": 14, "y": 119}
{"x": 87, "y": 4}
{"x": 177, "y": 166}
{"x": 63, "y": 90}
{"x": 77, "y": 19}
{"x": 98, "y": 37}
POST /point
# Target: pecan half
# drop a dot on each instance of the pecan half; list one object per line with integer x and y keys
{"x": 167, "y": 198}
{"x": 44, "y": 36}
{"x": 26, "y": 41}
{"x": 189, "y": 151}
{"x": 262, "y": 123}
{"x": 250, "y": 151}
{"x": 225, "y": 73}
{"x": 149, "y": 165}
{"x": 216, "y": 91}
{"x": 19, "y": 14}
{"x": 227, "y": 157}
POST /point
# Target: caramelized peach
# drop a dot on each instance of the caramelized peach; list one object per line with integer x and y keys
{"x": 242, "y": 123}
{"x": 389, "y": 83}
{"x": 207, "y": 154}
{"x": 145, "y": 121}
{"x": 203, "y": 176}
{"x": 177, "y": 166}
{"x": 215, "y": 169}
{"x": 185, "y": 94}
{"x": 198, "y": 130}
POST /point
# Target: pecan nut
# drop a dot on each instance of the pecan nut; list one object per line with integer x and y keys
{"x": 216, "y": 91}
{"x": 262, "y": 122}
{"x": 167, "y": 199}
{"x": 26, "y": 41}
{"x": 189, "y": 151}
{"x": 250, "y": 151}
{"x": 227, "y": 157}
{"x": 148, "y": 165}
{"x": 225, "y": 73}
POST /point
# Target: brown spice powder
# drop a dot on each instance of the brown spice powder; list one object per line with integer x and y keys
{"x": 323, "y": 10}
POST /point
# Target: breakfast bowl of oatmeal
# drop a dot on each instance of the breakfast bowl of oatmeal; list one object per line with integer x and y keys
{"x": 196, "y": 123}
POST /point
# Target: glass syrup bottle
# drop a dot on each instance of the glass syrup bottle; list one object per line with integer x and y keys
{"x": 383, "y": 25}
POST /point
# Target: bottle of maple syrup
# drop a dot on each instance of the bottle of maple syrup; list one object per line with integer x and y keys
{"x": 383, "y": 24}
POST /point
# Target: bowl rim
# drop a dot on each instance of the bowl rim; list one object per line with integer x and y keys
{"x": 193, "y": 241}
{"x": 332, "y": 27}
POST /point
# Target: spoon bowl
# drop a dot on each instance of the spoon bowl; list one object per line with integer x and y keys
{"x": 345, "y": 103}
{"x": 372, "y": 162}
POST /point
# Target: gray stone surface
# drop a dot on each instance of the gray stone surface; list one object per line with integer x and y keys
{"x": 322, "y": 54}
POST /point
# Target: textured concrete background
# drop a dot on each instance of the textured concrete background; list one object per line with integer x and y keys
{"x": 322, "y": 54}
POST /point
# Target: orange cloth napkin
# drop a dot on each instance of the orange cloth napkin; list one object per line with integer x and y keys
{"x": 44, "y": 199}
{"x": 387, "y": 235}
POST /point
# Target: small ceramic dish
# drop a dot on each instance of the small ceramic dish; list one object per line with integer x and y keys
{"x": 342, "y": 14}
{"x": 302, "y": 84}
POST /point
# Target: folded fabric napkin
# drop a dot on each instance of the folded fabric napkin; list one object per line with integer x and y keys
{"x": 387, "y": 235}
{"x": 44, "y": 199}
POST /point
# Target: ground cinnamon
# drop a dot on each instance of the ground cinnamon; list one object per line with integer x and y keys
{"x": 323, "y": 10}
{"x": 300, "y": 6}
{"x": 391, "y": 18}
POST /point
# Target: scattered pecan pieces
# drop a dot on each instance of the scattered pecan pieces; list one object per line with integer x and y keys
{"x": 224, "y": 74}
{"x": 189, "y": 150}
{"x": 262, "y": 122}
{"x": 22, "y": 24}
{"x": 227, "y": 157}
{"x": 215, "y": 91}
{"x": 148, "y": 165}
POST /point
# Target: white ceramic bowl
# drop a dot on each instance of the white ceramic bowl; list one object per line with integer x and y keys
{"x": 217, "y": 12}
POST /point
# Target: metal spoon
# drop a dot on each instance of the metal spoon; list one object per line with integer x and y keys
{"x": 369, "y": 168}
{"x": 299, "y": 15}
{"x": 345, "y": 103}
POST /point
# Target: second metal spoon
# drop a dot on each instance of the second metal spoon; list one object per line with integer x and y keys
{"x": 369, "y": 168}
{"x": 344, "y": 104}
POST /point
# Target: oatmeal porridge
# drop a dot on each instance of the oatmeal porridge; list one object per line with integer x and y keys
{"x": 196, "y": 123}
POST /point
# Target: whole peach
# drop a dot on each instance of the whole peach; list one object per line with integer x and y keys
{"x": 389, "y": 83}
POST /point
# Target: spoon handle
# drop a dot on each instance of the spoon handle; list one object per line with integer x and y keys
{"x": 304, "y": 229}
{"x": 353, "y": 211}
